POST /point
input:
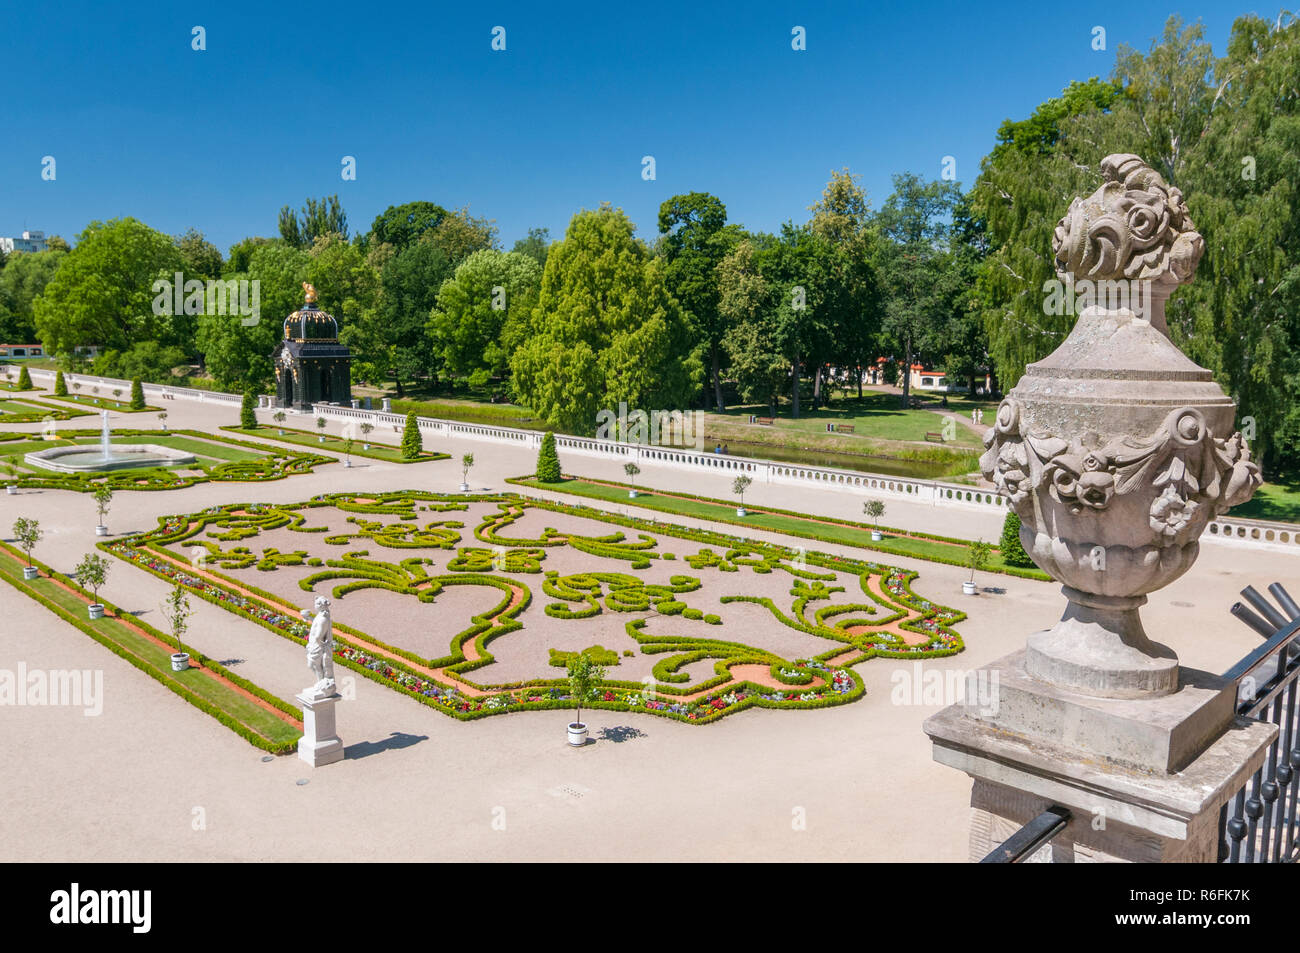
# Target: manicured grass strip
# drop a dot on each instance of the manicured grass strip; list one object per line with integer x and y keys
{"x": 834, "y": 531}
{"x": 1272, "y": 501}
{"x": 250, "y": 720}
{"x": 377, "y": 451}
{"x": 107, "y": 401}
{"x": 23, "y": 411}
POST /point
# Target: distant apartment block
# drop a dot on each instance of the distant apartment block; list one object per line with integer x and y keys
{"x": 31, "y": 241}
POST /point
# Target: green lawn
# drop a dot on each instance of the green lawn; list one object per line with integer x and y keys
{"x": 471, "y": 411}
{"x": 118, "y": 405}
{"x": 1272, "y": 501}
{"x": 874, "y": 416}
{"x": 725, "y": 512}
{"x": 155, "y": 658}
{"x": 305, "y": 438}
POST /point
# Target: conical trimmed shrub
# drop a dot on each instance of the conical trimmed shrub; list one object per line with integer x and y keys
{"x": 24, "y": 380}
{"x": 548, "y": 461}
{"x": 1013, "y": 553}
{"x": 247, "y": 414}
{"x": 60, "y": 385}
{"x": 412, "y": 442}
{"x": 137, "y": 394}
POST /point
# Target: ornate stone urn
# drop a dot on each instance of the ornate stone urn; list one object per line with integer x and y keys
{"x": 1117, "y": 449}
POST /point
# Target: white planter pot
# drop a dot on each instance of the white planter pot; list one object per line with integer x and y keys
{"x": 180, "y": 661}
{"x": 876, "y": 536}
{"x": 101, "y": 530}
{"x": 968, "y": 588}
{"x": 464, "y": 488}
{"x": 365, "y": 446}
{"x": 577, "y": 734}
{"x": 96, "y": 610}
{"x": 12, "y": 489}
{"x": 281, "y": 429}
{"x": 30, "y": 573}
{"x": 632, "y": 494}
{"x": 740, "y": 511}
{"x": 320, "y": 439}
{"x": 347, "y": 463}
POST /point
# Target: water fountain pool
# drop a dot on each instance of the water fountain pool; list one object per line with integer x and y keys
{"x": 82, "y": 459}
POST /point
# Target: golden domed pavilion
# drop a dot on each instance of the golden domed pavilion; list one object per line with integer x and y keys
{"x": 311, "y": 366}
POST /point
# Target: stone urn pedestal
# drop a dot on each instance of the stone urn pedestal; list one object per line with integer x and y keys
{"x": 1115, "y": 451}
{"x": 320, "y": 744}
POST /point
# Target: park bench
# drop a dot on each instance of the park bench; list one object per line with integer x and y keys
{"x": 933, "y": 437}
{"x": 765, "y": 421}
{"x": 844, "y": 428}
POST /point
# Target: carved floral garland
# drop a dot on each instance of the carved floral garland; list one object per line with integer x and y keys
{"x": 1183, "y": 460}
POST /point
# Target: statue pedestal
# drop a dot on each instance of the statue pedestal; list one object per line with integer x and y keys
{"x": 1144, "y": 779}
{"x": 319, "y": 744}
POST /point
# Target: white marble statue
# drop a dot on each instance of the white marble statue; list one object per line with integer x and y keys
{"x": 320, "y": 648}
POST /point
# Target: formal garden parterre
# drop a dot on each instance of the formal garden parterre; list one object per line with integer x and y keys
{"x": 464, "y": 602}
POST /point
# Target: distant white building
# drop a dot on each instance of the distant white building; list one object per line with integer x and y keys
{"x": 30, "y": 242}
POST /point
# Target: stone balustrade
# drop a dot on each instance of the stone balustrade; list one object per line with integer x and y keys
{"x": 1238, "y": 532}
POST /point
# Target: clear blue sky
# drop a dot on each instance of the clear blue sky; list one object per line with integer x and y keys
{"x": 142, "y": 125}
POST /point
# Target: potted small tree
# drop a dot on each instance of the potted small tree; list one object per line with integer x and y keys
{"x": 103, "y": 497}
{"x": 347, "y": 452}
{"x": 162, "y": 419}
{"x": 117, "y": 396}
{"x": 875, "y": 509}
{"x": 320, "y": 425}
{"x": 278, "y": 417}
{"x": 176, "y": 610}
{"x": 28, "y": 534}
{"x": 977, "y": 554}
{"x": 584, "y": 675}
{"x": 739, "y": 486}
{"x": 91, "y": 573}
{"x": 466, "y": 462}
{"x": 631, "y": 469}
{"x": 76, "y": 385}
{"x": 11, "y": 471}
{"x": 365, "y": 433}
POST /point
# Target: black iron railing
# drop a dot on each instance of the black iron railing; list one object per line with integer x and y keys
{"x": 1029, "y": 838}
{"x": 1259, "y": 823}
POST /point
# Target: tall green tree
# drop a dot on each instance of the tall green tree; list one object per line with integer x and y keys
{"x": 393, "y": 335}
{"x": 489, "y": 290}
{"x": 459, "y": 235}
{"x": 1241, "y": 316}
{"x": 853, "y": 301}
{"x": 401, "y": 225}
{"x": 694, "y": 240}
{"x": 605, "y": 329}
{"x": 317, "y": 217}
{"x": 201, "y": 259}
{"x": 535, "y": 245}
{"x": 916, "y": 223}
{"x": 238, "y": 355}
{"x": 103, "y": 291}
{"x": 21, "y": 282}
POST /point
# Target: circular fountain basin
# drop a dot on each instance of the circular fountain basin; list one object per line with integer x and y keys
{"x": 93, "y": 459}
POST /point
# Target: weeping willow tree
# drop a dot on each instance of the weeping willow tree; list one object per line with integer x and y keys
{"x": 1226, "y": 132}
